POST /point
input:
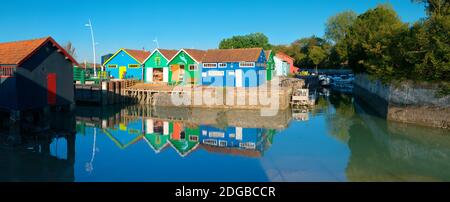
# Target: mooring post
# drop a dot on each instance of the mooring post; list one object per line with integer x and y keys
{"x": 104, "y": 98}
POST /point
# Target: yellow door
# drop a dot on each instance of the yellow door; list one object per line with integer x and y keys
{"x": 122, "y": 70}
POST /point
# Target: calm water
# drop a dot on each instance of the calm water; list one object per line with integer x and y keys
{"x": 339, "y": 140}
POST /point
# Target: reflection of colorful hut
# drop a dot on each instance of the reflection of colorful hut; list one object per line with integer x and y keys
{"x": 157, "y": 134}
{"x": 233, "y": 137}
{"x": 184, "y": 139}
{"x": 126, "y": 135}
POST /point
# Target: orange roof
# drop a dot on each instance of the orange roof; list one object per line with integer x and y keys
{"x": 232, "y": 55}
{"x": 267, "y": 53}
{"x": 168, "y": 53}
{"x": 139, "y": 55}
{"x": 284, "y": 55}
{"x": 196, "y": 54}
{"x": 15, "y": 53}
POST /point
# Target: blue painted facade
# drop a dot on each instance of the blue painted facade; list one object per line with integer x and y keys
{"x": 226, "y": 76}
{"x": 250, "y": 136}
{"x": 123, "y": 59}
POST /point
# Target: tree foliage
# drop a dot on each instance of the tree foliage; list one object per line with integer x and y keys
{"x": 254, "y": 40}
{"x": 373, "y": 42}
{"x": 336, "y": 30}
{"x": 70, "y": 49}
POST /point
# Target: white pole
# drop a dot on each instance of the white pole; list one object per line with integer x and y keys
{"x": 93, "y": 46}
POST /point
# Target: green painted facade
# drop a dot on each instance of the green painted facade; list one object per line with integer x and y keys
{"x": 182, "y": 58}
{"x": 156, "y": 60}
{"x": 157, "y": 141}
{"x": 270, "y": 66}
{"x": 186, "y": 145}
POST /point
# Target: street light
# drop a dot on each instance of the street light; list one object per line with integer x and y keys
{"x": 93, "y": 45}
{"x": 156, "y": 41}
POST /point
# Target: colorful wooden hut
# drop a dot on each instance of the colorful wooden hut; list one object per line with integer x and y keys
{"x": 156, "y": 66}
{"x": 234, "y": 67}
{"x": 35, "y": 74}
{"x": 127, "y": 64}
{"x": 185, "y": 66}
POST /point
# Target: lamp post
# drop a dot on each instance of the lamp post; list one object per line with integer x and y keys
{"x": 156, "y": 41}
{"x": 93, "y": 45}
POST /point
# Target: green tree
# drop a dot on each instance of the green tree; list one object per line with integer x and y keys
{"x": 317, "y": 55}
{"x": 373, "y": 42}
{"x": 336, "y": 29}
{"x": 338, "y": 26}
{"x": 254, "y": 40}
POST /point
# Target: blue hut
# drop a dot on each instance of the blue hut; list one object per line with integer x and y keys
{"x": 127, "y": 64}
{"x": 234, "y": 67}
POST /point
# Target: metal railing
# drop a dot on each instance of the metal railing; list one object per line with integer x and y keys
{"x": 7, "y": 71}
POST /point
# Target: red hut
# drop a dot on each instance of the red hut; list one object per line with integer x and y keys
{"x": 35, "y": 74}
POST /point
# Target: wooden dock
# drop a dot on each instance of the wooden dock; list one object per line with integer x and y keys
{"x": 106, "y": 93}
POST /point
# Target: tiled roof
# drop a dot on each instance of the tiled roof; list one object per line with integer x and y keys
{"x": 14, "y": 53}
{"x": 196, "y": 54}
{"x": 232, "y": 55}
{"x": 284, "y": 55}
{"x": 139, "y": 55}
{"x": 267, "y": 53}
{"x": 168, "y": 53}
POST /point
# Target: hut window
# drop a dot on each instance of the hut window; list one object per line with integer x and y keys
{"x": 7, "y": 71}
{"x": 133, "y": 66}
{"x": 222, "y": 65}
{"x": 193, "y": 138}
{"x": 112, "y": 66}
{"x": 193, "y": 67}
{"x": 209, "y": 65}
{"x": 246, "y": 64}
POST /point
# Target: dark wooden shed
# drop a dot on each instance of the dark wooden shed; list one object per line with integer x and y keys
{"x": 35, "y": 74}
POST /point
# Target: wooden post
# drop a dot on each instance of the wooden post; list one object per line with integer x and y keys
{"x": 104, "y": 97}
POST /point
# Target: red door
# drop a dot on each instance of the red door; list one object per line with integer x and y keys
{"x": 51, "y": 89}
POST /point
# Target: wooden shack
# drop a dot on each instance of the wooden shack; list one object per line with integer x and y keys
{"x": 35, "y": 74}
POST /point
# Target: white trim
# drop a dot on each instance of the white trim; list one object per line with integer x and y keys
{"x": 214, "y": 65}
{"x": 179, "y": 53}
{"x": 241, "y": 66}
{"x": 222, "y": 63}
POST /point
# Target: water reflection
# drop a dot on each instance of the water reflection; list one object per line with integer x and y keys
{"x": 185, "y": 130}
{"x": 340, "y": 139}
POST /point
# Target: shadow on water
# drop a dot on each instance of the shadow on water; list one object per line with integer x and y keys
{"x": 48, "y": 155}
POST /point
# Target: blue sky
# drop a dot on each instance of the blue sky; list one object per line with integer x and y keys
{"x": 177, "y": 24}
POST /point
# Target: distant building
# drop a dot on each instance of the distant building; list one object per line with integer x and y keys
{"x": 35, "y": 74}
{"x": 284, "y": 64}
{"x": 106, "y": 57}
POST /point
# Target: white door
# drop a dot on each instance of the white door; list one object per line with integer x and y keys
{"x": 166, "y": 128}
{"x": 238, "y": 133}
{"x": 149, "y": 75}
{"x": 149, "y": 126}
{"x": 238, "y": 76}
{"x": 166, "y": 74}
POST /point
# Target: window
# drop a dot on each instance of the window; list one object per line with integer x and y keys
{"x": 247, "y": 145}
{"x": 209, "y": 65}
{"x": 7, "y": 71}
{"x": 112, "y": 66}
{"x": 212, "y": 142}
{"x": 222, "y": 65}
{"x": 222, "y": 143}
{"x": 133, "y": 66}
{"x": 217, "y": 134}
{"x": 246, "y": 64}
{"x": 158, "y": 61}
{"x": 193, "y": 67}
{"x": 193, "y": 138}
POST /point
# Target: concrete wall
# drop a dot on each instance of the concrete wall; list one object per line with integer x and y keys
{"x": 405, "y": 102}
